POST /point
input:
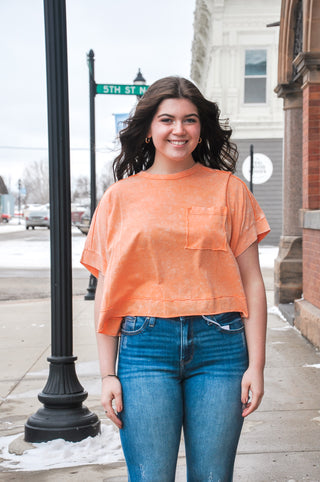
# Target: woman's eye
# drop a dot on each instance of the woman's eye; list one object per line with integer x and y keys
{"x": 166, "y": 121}
{"x": 190, "y": 121}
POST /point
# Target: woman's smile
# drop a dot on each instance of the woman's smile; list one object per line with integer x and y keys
{"x": 177, "y": 143}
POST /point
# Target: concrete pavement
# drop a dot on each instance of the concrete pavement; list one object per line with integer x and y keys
{"x": 280, "y": 441}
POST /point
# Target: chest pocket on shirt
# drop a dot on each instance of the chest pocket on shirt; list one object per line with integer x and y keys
{"x": 206, "y": 228}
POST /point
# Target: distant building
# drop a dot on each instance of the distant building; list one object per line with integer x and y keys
{"x": 234, "y": 63}
{"x": 6, "y": 200}
{"x": 3, "y": 187}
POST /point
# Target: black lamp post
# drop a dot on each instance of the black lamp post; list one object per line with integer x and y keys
{"x": 251, "y": 167}
{"x": 139, "y": 80}
{"x": 91, "y": 290}
{"x": 63, "y": 415}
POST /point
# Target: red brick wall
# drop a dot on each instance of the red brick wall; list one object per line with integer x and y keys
{"x": 311, "y": 266}
{"x": 311, "y": 191}
{"x": 311, "y": 146}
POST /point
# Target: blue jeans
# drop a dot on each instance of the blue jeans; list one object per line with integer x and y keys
{"x": 181, "y": 372}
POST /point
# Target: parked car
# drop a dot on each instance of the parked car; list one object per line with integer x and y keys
{"x": 84, "y": 223}
{"x": 38, "y": 217}
{"x": 5, "y": 218}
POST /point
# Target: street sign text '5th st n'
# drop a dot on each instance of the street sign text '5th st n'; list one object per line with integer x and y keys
{"x": 121, "y": 89}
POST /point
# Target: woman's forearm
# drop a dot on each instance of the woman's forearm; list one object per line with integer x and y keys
{"x": 255, "y": 324}
{"x": 107, "y": 351}
{"x": 107, "y": 345}
{"x": 111, "y": 390}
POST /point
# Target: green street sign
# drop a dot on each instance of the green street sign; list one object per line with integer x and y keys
{"x": 121, "y": 89}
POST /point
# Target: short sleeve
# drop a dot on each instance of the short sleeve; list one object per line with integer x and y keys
{"x": 94, "y": 255}
{"x": 247, "y": 222}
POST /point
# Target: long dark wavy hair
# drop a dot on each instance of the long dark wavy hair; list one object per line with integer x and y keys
{"x": 215, "y": 150}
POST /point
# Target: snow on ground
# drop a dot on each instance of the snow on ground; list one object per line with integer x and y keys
{"x": 13, "y": 226}
{"x": 274, "y": 310}
{"x": 316, "y": 365}
{"x": 28, "y": 253}
{"x": 102, "y": 449}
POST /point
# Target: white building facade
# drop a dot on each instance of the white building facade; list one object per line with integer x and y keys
{"x": 234, "y": 63}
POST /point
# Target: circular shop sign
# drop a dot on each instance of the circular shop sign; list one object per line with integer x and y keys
{"x": 262, "y": 168}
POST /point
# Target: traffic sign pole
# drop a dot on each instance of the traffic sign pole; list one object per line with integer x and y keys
{"x": 91, "y": 290}
{"x": 137, "y": 89}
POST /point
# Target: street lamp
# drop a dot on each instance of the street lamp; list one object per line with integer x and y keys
{"x": 139, "y": 80}
{"x": 63, "y": 415}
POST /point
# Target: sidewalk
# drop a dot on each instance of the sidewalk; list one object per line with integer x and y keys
{"x": 280, "y": 442}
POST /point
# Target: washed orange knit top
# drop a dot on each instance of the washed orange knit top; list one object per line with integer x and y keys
{"x": 167, "y": 244}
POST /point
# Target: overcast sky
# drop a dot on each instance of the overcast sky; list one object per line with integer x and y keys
{"x": 125, "y": 35}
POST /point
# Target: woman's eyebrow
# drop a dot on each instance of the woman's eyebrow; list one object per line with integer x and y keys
{"x": 172, "y": 116}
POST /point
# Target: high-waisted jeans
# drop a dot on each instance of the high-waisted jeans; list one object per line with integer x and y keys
{"x": 181, "y": 372}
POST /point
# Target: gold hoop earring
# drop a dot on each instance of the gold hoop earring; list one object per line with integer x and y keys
{"x": 200, "y": 140}
{"x": 147, "y": 140}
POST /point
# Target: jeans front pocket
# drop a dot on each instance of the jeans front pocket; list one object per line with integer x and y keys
{"x": 230, "y": 323}
{"x": 206, "y": 228}
{"x": 132, "y": 325}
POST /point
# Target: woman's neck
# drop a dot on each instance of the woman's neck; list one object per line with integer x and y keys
{"x": 170, "y": 167}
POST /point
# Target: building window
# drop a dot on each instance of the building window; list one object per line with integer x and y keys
{"x": 255, "y": 77}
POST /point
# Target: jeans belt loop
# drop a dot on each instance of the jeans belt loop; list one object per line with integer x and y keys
{"x": 152, "y": 321}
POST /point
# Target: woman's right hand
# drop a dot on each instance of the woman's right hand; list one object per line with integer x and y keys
{"x": 111, "y": 390}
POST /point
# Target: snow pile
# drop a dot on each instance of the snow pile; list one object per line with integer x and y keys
{"x": 274, "y": 310}
{"x": 102, "y": 449}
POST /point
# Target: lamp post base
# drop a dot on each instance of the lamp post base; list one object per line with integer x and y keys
{"x": 63, "y": 415}
{"x": 71, "y": 424}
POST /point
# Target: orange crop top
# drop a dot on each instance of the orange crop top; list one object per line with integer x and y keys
{"x": 167, "y": 244}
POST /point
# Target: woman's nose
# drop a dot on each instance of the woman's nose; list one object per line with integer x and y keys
{"x": 178, "y": 127}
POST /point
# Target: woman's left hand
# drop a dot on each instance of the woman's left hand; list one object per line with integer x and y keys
{"x": 252, "y": 389}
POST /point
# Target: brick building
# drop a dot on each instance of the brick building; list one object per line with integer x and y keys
{"x": 297, "y": 273}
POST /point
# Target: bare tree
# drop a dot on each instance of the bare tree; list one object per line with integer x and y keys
{"x": 105, "y": 179}
{"x": 82, "y": 188}
{"x": 35, "y": 178}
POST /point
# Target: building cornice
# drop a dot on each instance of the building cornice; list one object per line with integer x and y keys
{"x": 307, "y": 65}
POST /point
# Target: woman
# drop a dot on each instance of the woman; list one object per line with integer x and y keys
{"x": 173, "y": 244}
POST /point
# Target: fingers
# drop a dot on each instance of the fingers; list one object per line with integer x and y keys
{"x": 112, "y": 415}
{"x": 111, "y": 399}
{"x": 252, "y": 405}
{"x": 118, "y": 402}
{"x": 245, "y": 391}
{"x": 251, "y": 393}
